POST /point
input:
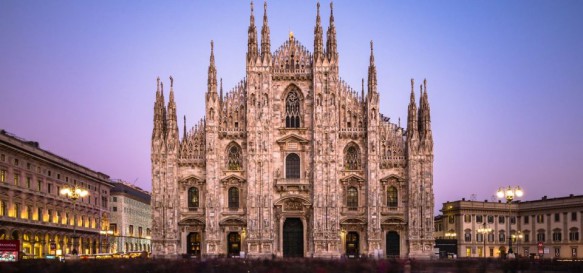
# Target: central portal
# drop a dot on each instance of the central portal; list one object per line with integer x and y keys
{"x": 293, "y": 238}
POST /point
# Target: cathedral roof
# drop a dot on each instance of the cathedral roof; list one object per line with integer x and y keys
{"x": 292, "y": 58}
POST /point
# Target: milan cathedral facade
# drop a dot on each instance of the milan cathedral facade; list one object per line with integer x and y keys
{"x": 292, "y": 162}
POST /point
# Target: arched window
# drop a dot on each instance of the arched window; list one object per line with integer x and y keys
{"x": 234, "y": 158}
{"x": 352, "y": 158}
{"x": 292, "y": 110}
{"x": 352, "y": 198}
{"x": 193, "y": 198}
{"x": 233, "y": 198}
{"x": 392, "y": 197}
{"x": 292, "y": 166}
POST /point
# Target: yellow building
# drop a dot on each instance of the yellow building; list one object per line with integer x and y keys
{"x": 547, "y": 228}
{"x": 32, "y": 209}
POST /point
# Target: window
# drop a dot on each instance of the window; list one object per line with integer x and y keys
{"x": 113, "y": 208}
{"x": 131, "y": 230}
{"x": 16, "y": 161}
{"x": 467, "y": 218}
{"x": 28, "y": 213}
{"x": 501, "y": 237}
{"x": 193, "y": 197}
{"x": 490, "y": 237}
{"x": 140, "y": 232}
{"x": 557, "y": 217}
{"x": 540, "y": 218}
{"x": 16, "y": 179}
{"x": 148, "y": 232}
{"x": 450, "y": 219}
{"x": 392, "y": 197}
{"x": 104, "y": 201}
{"x": 513, "y": 220}
{"x": 233, "y": 198}
{"x": 39, "y": 185}
{"x": 540, "y": 236}
{"x": 573, "y": 216}
{"x": 17, "y": 210}
{"x": 2, "y": 175}
{"x": 292, "y": 166}
{"x": 468, "y": 235}
{"x": 114, "y": 199}
{"x": 501, "y": 219}
{"x": 574, "y": 234}
{"x": 479, "y": 237}
{"x": 2, "y": 157}
{"x": 490, "y": 219}
{"x": 352, "y": 158}
{"x": 3, "y": 208}
{"x": 557, "y": 235}
{"x": 526, "y": 237}
{"x": 292, "y": 110}
{"x": 113, "y": 228}
{"x": 352, "y": 198}
{"x": 234, "y": 158}
{"x": 28, "y": 182}
{"x": 49, "y": 188}
{"x": 39, "y": 214}
{"x": 479, "y": 218}
{"x": 526, "y": 218}
{"x": 50, "y": 213}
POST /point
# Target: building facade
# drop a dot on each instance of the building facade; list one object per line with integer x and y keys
{"x": 131, "y": 219}
{"x": 33, "y": 211}
{"x": 548, "y": 228}
{"x": 292, "y": 162}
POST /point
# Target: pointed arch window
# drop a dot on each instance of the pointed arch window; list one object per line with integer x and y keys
{"x": 292, "y": 110}
{"x": 352, "y": 198}
{"x": 234, "y": 158}
{"x": 193, "y": 198}
{"x": 392, "y": 197}
{"x": 292, "y": 166}
{"x": 352, "y": 158}
{"x": 233, "y": 198}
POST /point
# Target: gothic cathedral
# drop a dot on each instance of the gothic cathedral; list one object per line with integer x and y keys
{"x": 292, "y": 162}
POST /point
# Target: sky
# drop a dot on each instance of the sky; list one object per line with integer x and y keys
{"x": 503, "y": 78}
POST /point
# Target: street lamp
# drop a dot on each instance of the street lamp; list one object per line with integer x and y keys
{"x": 74, "y": 193}
{"x": 518, "y": 236}
{"x": 450, "y": 235}
{"x": 484, "y": 231}
{"x": 508, "y": 194}
{"x": 106, "y": 233}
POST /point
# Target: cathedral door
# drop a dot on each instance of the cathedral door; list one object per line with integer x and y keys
{"x": 393, "y": 244}
{"x": 193, "y": 244}
{"x": 293, "y": 238}
{"x": 234, "y": 244}
{"x": 352, "y": 243}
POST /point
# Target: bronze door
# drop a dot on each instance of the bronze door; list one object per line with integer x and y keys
{"x": 393, "y": 244}
{"x": 293, "y": 238}
{"x": 193, "y": 244}
{"x": 352, "y": 243}
{"x": 234, "y": 244}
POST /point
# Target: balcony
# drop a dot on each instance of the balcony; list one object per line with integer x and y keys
{"x": 352, "y": 132}
{"x": 292, "y": 184}
{"x": 356, "y": 211}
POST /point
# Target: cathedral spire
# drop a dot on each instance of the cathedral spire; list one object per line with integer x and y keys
{"x": 424, "y": 112}
{"x": 362, "y": 91}
{"x": 172, "y": 122}
{"x": 318, "y": 37}
{"x": 184, "y": 129}
{"x": 331, "y": 48}
{"x": 252, "y": 50}
{"x": 372, "y": 72}
{"x": 412, "y": 115}
{"x": 212, "y": 73}
{"x": 221, "y": 90}
{"x": 159, "y": 117}
{"x": 265, "y": 40}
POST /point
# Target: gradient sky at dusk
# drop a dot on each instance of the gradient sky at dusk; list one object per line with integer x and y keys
{"x": 504, "y": 78}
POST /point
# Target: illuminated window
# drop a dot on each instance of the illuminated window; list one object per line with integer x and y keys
{"x": 3, "y": 208}
{"x": 352, "y": 198}
{"x": 193, "y": 198}
{"x": 392, "y": 197}
{"x": 2, "y": 175}
{"x": 16, "y": 179}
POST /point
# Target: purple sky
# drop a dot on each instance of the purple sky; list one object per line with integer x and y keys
{"x": 503, "y": 78}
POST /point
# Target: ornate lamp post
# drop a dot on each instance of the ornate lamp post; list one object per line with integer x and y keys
{"x": 509, "y": 193}
{"x": 484, "y": 231}
{"x": 518, "y": 236}
{"x": 74, "y": 193}
{"x": 450, "y": 235}
{"x": 106, "y": 233}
